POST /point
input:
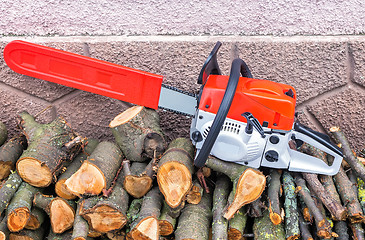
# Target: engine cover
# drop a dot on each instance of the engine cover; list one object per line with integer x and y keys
{"x": 232, "y": 143}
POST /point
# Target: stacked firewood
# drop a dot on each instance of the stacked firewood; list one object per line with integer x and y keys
{"x": 59, "y": 185}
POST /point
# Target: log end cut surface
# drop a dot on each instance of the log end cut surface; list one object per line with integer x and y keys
{"x": 17, "y": 237}
{"x": 166, "y": 228}
{"x": 234, "y": 234}
{"x": 147, "y": 229}
{"x": 89, "y": 179}
{"x": 174, "y": 181}
{"x": 18, "y": 219}
{"x": 105, "y": 218}
{"x": 62, "y": 191}
{"x": 250, "y": 186}
{"x": 2, "y": 236}
{"x": 125, "y": 116}
{"x": 62, "y": 215}
{"x": 34, "y": 172}
{"x": 137, "y": 186}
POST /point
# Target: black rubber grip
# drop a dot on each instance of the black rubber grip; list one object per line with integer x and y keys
{"x": 238, "y": 66}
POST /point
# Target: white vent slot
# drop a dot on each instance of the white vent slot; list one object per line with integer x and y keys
{"x": 227, "y": 127}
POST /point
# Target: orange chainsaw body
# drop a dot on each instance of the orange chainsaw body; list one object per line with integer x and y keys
{"x": 268, "y": 101}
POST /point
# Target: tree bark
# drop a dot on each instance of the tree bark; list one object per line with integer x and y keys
{"x": 248, "y": 183}
{"x": 9, "y": 154}
{"x": 41, "y": 162}
{"x": 342, "y": 230}
{"x": 116, "y": 235}
{"x": 146, "y": 226}
{"x": 97, "y": 172}
{"x": 60, "y": 187}
{"x": 138, "y": 177}
{"x": 3, "y": 133}
{"x": 348, "y": 196}
{"x": 166, "y": 222}
{"x": 220, "y": 197}
{"x": 291, "y": 208}
{"x": 61, "y": 212}
{"x": 80, "y": 226}
{"x": 4, "y": 231}
{"x": 357, "y": 231}
{"x": 304, "y": 229}
{"x": 8, "y": 190}
{"x": 273, "y": 195}
{"x": 174, "y": 175}
{"x": 137, "y": 132}
{"x": 18, "y": 211}
{"x": 237, "y": 225}
{"x": 194, "y": 221}
{"x": 350, "y": 157}
{"x": 106, "y": 214}
{"x": 263, "y": 228}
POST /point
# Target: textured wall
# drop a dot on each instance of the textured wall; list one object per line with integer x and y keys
{"x": 208, "y": 17}
{"x": 173, "y": 38}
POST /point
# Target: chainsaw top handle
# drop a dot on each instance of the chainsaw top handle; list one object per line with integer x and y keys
{"x": 238, "y": 67}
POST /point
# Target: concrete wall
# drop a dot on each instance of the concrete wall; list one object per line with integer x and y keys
{"x": 316, "y": 46}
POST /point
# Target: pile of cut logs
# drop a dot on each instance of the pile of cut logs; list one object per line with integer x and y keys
{"x": 59, "y": 185}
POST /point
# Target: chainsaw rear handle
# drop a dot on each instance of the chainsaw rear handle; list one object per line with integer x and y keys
{"x": 238, "y": 67}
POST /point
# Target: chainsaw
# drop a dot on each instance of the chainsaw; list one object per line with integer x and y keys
{"x": 234, "y": 118}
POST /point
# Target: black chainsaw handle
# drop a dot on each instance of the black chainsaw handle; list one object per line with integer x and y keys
{"x": 238, "y": 67}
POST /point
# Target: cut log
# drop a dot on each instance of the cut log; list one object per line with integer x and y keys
{"x": 116, "y": 235}
{"x": 36, "y": 219}
{"x": 8, "y": 190}
{"x": 348, "y": 196}
{"x": 80, "y": 226}
{"x": 195, "y": 194}
{"x": 174, "y": 175}
{"x": 3, "y": 133}
{"x": 166, "y": 222}
{"x": 292, "y": 230}
{"x": 194, "y": 221}
{"x": 323, "y": 226}
{"x": 61, "y": 212}
{"x": 237, "y": 225}
{"x": 273, "y": 194}
{"x": 342, "y": 230}
{"x": 304, "y": 229}
{"x": 263, "y": 228}
{"x": 146, "y": 226}
{"x": 137, "y": 132}
{"x": 60, "y": 187}
{"x": 106, "y": 214}
{"x": 349, "y": 155}
{"x": 27, "y": 234}
{"x": 18, "y": 211}
{"x": 9, "y": 154}
{"x": 248, "y": 183}
{"x": 40, "y": 164}
{"x": 97, "y": 172}
{"x": 4, "y": 231}
{"x": 220, "y": 197}
{"x": 138, "y": 177}
{"x": 333, "y": 206}
{"x": 357, "y": 231}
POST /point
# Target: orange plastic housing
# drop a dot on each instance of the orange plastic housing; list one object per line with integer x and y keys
{"x": 266, "y": 100}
